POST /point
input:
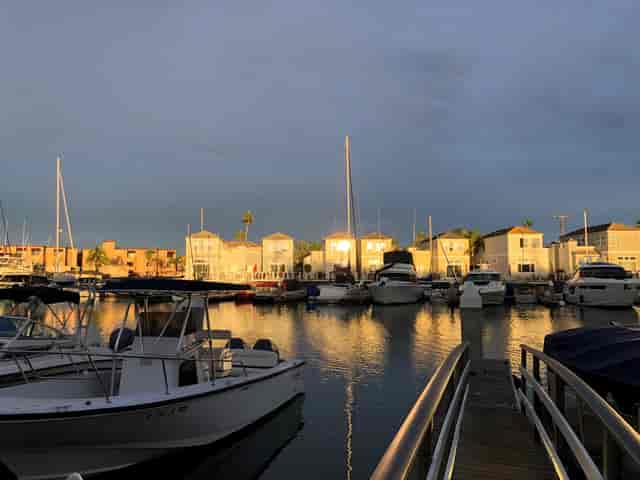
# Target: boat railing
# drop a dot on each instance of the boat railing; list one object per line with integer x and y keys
{"x": 619, "y": 446}
{"x": 32, "y": 372}
{"x": 426, "y": 443}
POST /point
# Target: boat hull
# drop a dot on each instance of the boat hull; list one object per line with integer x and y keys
{"x": 593, "y": 295}
{"x": 394, "y": 295}
{"x": 493, "y": 297}
{"x": 130, "y": 435}
{"x": 335, "y": 294}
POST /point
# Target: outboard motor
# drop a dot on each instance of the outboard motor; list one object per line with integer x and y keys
{"x": 126, "y": 339}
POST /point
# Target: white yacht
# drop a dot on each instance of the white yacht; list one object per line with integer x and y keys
{"x": 490, "y": 286}
{"x": 396, "y": 283}
{"x": 601, "y": 284}
{"x": 161, "y": 394}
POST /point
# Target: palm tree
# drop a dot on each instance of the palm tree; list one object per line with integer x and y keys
{"x": 247, "y": 219}
{"x": 97, "y": 257}
{"x": 476, "y": 242}
{"x": 527, "y": 222}
{"x": 149, "y": 255}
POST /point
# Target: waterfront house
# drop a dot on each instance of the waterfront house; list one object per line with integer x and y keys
{"x": 277, "y": 254}
{"x": 610, "y": 242}
{"x": 451, "y": 255}
{"x": 241, "y": 261}
{"x": 313, "y": 265}
{"x": 340, "y": 253}
{"x": 515, "y": 252}
{"x": 421, "y": 261}
{"x": 204, "y": 251}
{"x": 372, "y": 248}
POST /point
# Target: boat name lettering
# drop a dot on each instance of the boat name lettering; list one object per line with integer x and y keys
{"x": 166, "y": 412}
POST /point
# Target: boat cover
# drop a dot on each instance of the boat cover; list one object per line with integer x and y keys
{"x": 169, "y": 285}
{"x": 607, "y": 358}
{"x": 47, "y": 295}
{"x": 398, "y": 256}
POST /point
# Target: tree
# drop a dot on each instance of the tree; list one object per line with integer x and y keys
{"x": 97, "y": 257}
{"x": 476, "y": 242}
{"x": 247, "y": 219}
{"x": 149, "y": 256}
{"x": 527, "y": 222}
{"x": 241, "y": 235}
{"x": 301, "y": 249}
{"x": 177, "y": 263}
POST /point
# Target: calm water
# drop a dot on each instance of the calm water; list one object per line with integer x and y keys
{"x": 365, "y": 368}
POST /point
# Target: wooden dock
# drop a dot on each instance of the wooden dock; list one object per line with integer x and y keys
{"x": 496, "y": 440}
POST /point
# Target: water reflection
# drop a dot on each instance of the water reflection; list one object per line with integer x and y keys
{"x": 243, "y": 457}
{"x": 367, "y": 365}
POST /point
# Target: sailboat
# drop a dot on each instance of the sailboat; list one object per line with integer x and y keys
{"x": 345, "y": 291}
{"x": 62, "y": 279}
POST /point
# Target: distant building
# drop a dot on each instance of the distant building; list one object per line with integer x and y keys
{"x": 610, "y": 242}
{"x": 39, "y": 258}
{"x": 340, "y": 253}
{"x": 204, "y": 256}
{"x": 140, "y": 261}
{"x": 451, "y": 255}
{"x": 277, "y": 254}
{"x": 421, "y": 261}
{"x": 241, "y": 261}
{"x": 372, "y": 248}
{"x": 515, "y": 252}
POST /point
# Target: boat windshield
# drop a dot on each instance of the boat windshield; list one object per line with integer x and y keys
{"x": 617, "y": 273}
{"x": 399, "y": 276}
{"x": 482, "y": 277}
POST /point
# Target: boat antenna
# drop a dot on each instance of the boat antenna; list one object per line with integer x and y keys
{"x": 414, "y": 227}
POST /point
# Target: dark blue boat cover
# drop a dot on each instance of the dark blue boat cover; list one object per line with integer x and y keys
{"x": 607, "y": 358}
{"x": 47, "y": 295}
{"x": 169, "y": 285}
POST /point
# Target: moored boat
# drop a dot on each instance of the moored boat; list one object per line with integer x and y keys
{"x": 601, "y": 284}
{"x": 490, "y": 286}
{"x": 396, "y": 284}
{"x": 166, "y": 395}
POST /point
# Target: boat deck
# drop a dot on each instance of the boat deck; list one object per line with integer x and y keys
{"x": 496, "y": 441}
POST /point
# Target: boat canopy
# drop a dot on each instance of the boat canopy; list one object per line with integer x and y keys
{"x": 607, "y": 358}
{"x": 144, "y": 286}
{"x": 46, "y": 295}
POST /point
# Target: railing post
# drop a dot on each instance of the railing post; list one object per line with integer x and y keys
{"x": 610, "y": 456}
{"x": 537, "y": 406}
{"x": 523, "y": 364}
{"x": 556, "y": 385}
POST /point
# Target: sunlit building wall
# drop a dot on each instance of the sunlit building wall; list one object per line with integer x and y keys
{"x": 339, "y": 252}
{"x": 610, "y": 242}
{"x": 372, "y": 248}
{"x": 451, "y": 254}
{"x": 241, "y": 261}
{"x": 421, "y": 261}
{"x": 204, "y": 256}
{"x": 41, "y": 258}
{"x": 124, "y": 261}
{"x": 313, "y": 264}
{"x": 277, "y": 254}
{"x": 516, "y": 252}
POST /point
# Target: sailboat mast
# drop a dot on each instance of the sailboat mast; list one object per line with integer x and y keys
{"x": 586, "y": 231}
{"x": 347, "y": 161}
{"x": 57, "y": 215}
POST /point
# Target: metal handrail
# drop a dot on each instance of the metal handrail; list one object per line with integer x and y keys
{"x": 623, "y": 433}
{"x": 561, "y": 473}
{"x": 400, "y": 457}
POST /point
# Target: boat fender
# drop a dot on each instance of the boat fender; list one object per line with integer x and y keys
{"x": 126, "y": 339}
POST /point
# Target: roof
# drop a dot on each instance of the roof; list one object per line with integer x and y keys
{"x": 337, "y": 235}
{"x": 278, "y": 236}
{"x": 611, "y": 226}
{"x": 240, "y": 243}
{"x": 376, "y": 236}
{"x": 452, "y": 234}
{"x": 520, "y": 229}
{"x": 204, "y": 234}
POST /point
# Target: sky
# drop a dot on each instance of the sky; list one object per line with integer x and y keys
{"x": 481, "y": 114}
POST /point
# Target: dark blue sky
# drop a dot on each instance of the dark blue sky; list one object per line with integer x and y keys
{"x": 478, "y": 113}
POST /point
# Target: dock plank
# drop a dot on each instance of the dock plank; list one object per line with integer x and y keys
{"x": 496, "y": 440}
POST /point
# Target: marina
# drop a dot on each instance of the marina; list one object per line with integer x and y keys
{"x": 366, "y": 365}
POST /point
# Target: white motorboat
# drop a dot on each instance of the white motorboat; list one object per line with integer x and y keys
{"x": 601, "y": 284}
{"x": 162, "y": 394}
{"x": 349, "y": 293}
{"x": 490, "y": 285}
{"x": 396, "y": 283}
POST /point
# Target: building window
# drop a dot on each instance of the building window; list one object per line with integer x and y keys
{"x": 526, "y": 268}
{"x": 523, "y": 243}
{"x": 454, "y": 271}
